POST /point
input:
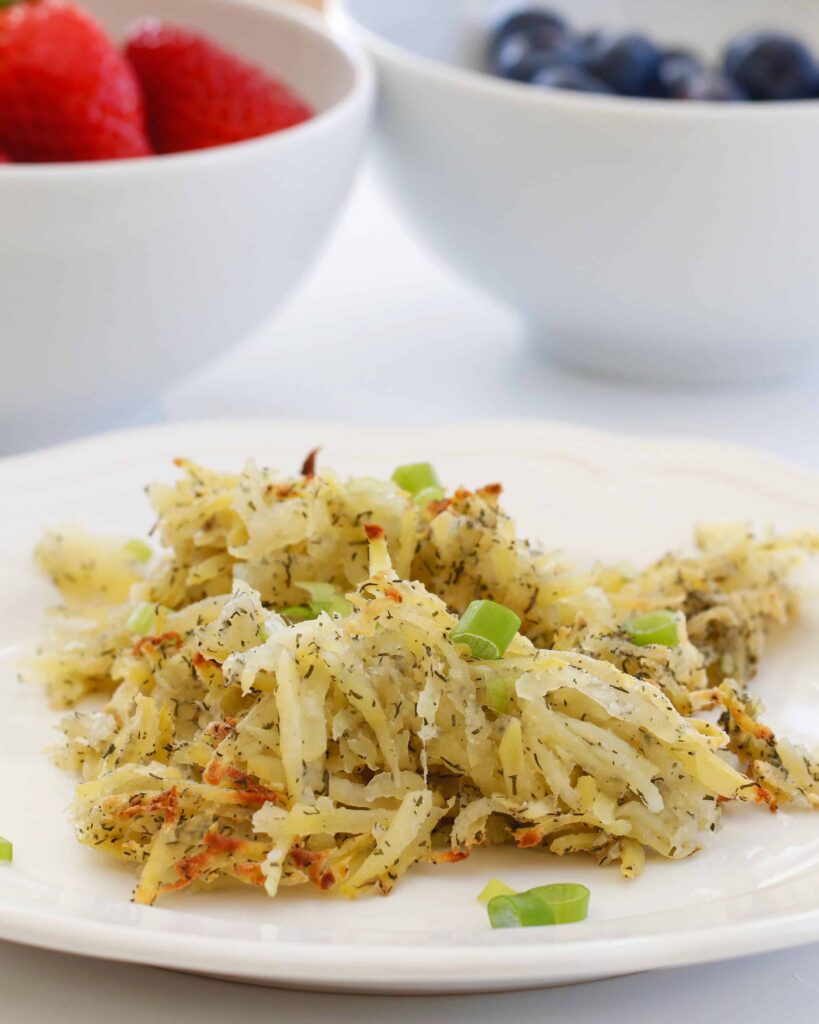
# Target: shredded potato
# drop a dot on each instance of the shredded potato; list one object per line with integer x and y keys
{"x": 235, "y": 743}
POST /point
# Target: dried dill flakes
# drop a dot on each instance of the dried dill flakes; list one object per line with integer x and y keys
{"x": 338, "y": 752}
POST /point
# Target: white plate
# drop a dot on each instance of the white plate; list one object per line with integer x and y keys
{"x": 755, "y": 886}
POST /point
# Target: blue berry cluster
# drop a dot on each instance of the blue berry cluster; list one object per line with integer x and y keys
{"x": 538, "y": 46}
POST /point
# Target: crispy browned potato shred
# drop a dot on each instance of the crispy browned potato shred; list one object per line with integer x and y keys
{"x": 235, "y": 743}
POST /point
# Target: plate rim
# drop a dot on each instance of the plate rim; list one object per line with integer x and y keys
{"x": 379, "y": 969}
{"x": 393, "y": 967}
{"x": 546, "y": 427}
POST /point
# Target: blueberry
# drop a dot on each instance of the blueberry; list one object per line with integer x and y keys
{"x": 708, "y": 85}
{"x": 627, "y": 64}
{"x": 518, "y": 60}
{"x": 571, "y": 77}
{"x": 591, "y": 40}
{"x": 771, "y": 66}
{"x": 675, "y": 67}
{"x": 541, "y": 28}
{"x": 528, "y": 41}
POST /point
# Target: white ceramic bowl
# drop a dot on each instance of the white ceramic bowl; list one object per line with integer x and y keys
{"x": 647, "y": 238}
{"x": 116, "y": 278}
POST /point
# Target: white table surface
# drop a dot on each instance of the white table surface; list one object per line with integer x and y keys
{"x": 383, "y": 333}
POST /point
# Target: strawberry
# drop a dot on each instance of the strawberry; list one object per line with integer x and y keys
{"x": 3, "y": 158}
{"x": 199, "y": 95}
{"x": 66, "y": 92}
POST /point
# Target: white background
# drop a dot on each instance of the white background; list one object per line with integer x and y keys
{"x": 383, "y": 333}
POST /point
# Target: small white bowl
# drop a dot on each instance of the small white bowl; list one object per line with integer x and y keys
{"x": 117, "y": 278}
{"x": 654, "y": 239}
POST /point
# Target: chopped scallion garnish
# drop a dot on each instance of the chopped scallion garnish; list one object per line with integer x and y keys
{"x": 139, "y": 551}
{"x": 568, "y": 901}
{"x": 325, "y": 597}
{"x": 319, "y": 591}
{"x": 493, "y": 889}
{"x": 545, "y": 905}
{"x": 487, "y": 628}
{"x": 6, "y": 850}
{"x": 338, "y": 606}
{"x": 520, "y": 910}
{"x": 299, "y": 613}
{"x": 429, "y": 494}
{"x": 142, "y": 619}
{"x": 654, "y": 628}
{"x": 421, "y": 480}
{"x": 498, "y": 692}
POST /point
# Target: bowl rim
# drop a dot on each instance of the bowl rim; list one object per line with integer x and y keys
{"x": 360, "y": 94}
{"x": 486, "y": 84}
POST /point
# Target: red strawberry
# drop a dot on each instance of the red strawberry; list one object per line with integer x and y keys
{"x": 199, "y": 95}
{"x": 66, "y": 93}
{"x": 3, "y": 158}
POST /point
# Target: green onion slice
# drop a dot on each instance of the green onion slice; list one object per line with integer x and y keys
{"x": 6, "y": 850}
{"x": 429, "y": 494}
{"x": 139, "y": 551}
{"x": 568, "y": 901}
{"x": 565, "y": 903}
{"x": 319, "y": 591}
{"x": 654, "y": 628}
{"x": 142, "y": 619}
{"x": 338, "y": 606}
{"x": 487, "y": 628}
{"x": 520, "y": 910}
{"x": 498, "y": 692}
{"x": 495, "y": 888}
{"x": 418, "y": 478}
{"x": 325, "y": 597}
{"x": 299, "y": 613}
